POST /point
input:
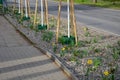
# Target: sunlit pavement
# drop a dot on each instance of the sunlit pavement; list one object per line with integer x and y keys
{"x": 19, "y": 60}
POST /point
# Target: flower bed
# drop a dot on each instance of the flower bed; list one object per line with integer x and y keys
{"x": 95, "y": 57}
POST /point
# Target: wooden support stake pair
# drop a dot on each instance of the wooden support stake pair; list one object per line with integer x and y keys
{"x": 28, "y": 8}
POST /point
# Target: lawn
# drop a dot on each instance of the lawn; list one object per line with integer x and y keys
{"x": 100, "y": 3}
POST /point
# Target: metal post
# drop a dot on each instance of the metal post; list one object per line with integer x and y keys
{"x": 68, "y": 9}
{"x": 42, "y": 17}
{"x": 19, "y": 6}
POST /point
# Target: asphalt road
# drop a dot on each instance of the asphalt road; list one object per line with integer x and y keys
{"x": 102, "y": 18}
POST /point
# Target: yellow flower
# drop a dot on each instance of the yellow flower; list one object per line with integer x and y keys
{"x": 85, "y": 28}
{"x": 106, "y": 73}
{"x": 52, "y": 17}
{"x": 89, "y": 61}
{"x": 53, "y": 44}
{"x": 63, "y": 48}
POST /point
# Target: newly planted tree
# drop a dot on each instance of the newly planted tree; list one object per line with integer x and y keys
{"x": 67, "y": 39}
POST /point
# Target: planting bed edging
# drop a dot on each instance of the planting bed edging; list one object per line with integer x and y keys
{"x": 52, "y": 56}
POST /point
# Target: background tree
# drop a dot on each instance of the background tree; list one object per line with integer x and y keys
{"x": 113, "y": 1}
{"x": 95, "y": 1}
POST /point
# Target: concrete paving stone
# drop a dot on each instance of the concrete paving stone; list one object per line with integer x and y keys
{"x": 22, "y": 61}
{"x": 18, "y": 52}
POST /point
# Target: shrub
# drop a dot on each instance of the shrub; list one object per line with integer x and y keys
{"x": 66, "y": 40}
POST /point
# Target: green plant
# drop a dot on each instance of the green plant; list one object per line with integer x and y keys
{"x": 76, "y": 52}
{"x": 52, "y": 24}
{"x": 73, "y": 58}
{"x": 94, "y": 40}
{"x": 109, "y": 46}
{"x": 47, "y": 36}
{"x": 97, "y": 50}
{"x": 31, "y": 25}
{"x": 15, "y": 11}
{"x": 87, "y": 34}
{"x": 67, "y": 40}
{"x": 116, "y": 52}
{"x": 20, "y": 21}
{"x": 55, "y": 47}
{"x": 81, "y": 43}
{"x": 79, "y": 54}
{"x": 63, "y": 51}
{"x": 25, "y": 18}
{"x": 89, "y": 67}
{"x": 6, "y": 10}
{"x": 42, "y": 27}
{"x": 84, "y": 53}
{"x": 91, "y": 48}
{"x": 106, "y": 75}
{"x": 118, "y": 43}
{"x": 96, "y": 63}
{"x": 62, "y": 54}
{"x": 115, "y": 56}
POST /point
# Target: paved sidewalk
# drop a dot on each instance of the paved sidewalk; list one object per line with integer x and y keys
{"x": 19, "y": 60}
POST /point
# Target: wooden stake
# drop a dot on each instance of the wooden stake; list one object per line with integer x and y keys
{"x": 35, "y": 16}
{"x": 14, "y": 6}
{"x": 58, "y": 22}
{"x": 46, "y": 13}
{"x": 29, "y": 11}
{"x": 21, "y": 3}
{"x": 71, "y": 20}
{"x": 74, "y": 21}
